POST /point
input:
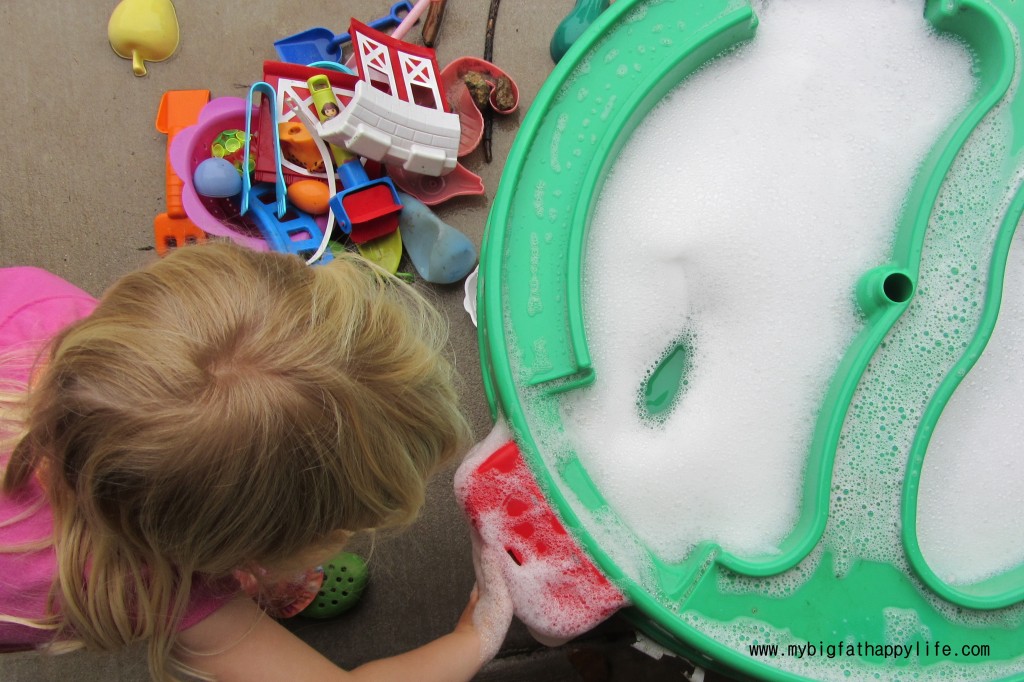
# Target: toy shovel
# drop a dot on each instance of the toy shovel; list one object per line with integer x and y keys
{"x": 178, "y": 110}
{"x": 322, "y": 45}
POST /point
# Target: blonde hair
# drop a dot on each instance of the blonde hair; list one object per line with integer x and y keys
{"x": 222, "y": 409}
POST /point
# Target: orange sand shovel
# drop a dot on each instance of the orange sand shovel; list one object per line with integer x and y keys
{"x": 178, "y": 110}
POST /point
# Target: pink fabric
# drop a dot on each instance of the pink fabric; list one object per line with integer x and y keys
{"x": 35, "y": 305}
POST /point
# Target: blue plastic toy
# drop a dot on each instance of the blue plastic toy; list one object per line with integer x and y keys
{"x": 217, "y": 178}
{"x": 332, "y": 66}
{"x": 293, "y": 232}
{"x": 267, "y": 90}
{"x": 320, "y": 44}
{"x": 440, "y": 253}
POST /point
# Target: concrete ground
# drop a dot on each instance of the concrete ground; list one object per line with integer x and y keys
{"x": 83, "y": 178}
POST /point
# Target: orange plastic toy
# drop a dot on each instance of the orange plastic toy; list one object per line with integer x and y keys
{"x": 298, "y": 147}
{"x": 178, "y": 110}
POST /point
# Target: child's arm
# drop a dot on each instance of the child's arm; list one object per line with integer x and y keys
{"x": 239, "y": 643}
{"x": 455, "y": 656}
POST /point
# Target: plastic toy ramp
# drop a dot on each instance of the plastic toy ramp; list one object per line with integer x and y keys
{"x": 713, "y": 605}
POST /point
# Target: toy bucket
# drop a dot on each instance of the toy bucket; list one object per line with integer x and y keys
{"x": 191, "y": 147}
{"x": 714, "y": 605}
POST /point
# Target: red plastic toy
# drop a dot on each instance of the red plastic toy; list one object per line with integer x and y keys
{"x": 290, "y": 80}
{"x": 556, "y": 590}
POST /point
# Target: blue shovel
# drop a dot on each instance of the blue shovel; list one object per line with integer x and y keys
{"x": 320, "y": 44}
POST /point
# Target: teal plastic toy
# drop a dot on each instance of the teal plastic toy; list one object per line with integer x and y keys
{"x": 345, "y": 578}
{"x": 440, "y": 253}
{"x": 575, "y": 23}
{"x": 534, "y": 348}
{"x": 280, "y": 189}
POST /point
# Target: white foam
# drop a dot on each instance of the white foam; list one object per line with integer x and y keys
{"x": 741, "y": 214}
{"x": 918, "y": 353}
{"x": 971, "y": 482}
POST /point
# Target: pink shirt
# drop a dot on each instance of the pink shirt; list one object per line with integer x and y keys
{"x": 35, "y": 305}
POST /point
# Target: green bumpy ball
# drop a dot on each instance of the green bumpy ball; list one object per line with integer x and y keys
{"x": 345, "y": 578}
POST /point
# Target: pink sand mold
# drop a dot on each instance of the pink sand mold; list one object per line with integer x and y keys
{"x": 451, "y": 78}
{"x": 435, "y": 190}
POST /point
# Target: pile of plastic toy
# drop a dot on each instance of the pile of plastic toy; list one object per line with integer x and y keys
{"x": 318, "y": 155}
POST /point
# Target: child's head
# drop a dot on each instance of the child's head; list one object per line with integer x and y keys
{"x": 223, "y": 408}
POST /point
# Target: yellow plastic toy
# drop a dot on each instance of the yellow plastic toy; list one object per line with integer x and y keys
{"x": 327, "y": 107}
{"x": 143, "y": 30}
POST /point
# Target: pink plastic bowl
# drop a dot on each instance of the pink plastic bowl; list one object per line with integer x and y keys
{"x": 190, "y": 148}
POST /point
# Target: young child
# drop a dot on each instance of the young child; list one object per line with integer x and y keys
{"x": 220, "y": 410}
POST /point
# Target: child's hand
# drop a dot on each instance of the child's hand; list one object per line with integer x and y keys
{"x": 489, "y": 611}
{"x": 465, "y": 623}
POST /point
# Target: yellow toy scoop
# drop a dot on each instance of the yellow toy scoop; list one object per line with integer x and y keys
{"x": 143, "y": 30}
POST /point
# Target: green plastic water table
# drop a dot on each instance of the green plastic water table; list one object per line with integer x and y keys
{"x": 713, "y": 606}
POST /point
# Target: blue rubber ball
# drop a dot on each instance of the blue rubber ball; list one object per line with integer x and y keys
{"x": 217, "y": 178}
